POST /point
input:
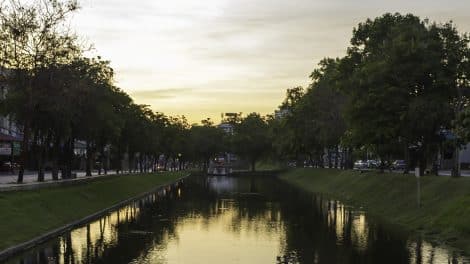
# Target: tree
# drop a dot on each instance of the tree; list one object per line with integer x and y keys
{"x": 206, "y": 142}
{"x": 250, "y": 139}
{"x": 33, "y": 36}
{"x": 287, "y": 130}
{"x": 315, "y": 121}
{"x": 397, "y": 71}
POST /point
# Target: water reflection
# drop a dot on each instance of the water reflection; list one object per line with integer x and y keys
{"x": 235, "y": 220}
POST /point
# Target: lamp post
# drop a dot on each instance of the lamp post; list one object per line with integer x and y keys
{"x": 179, "y": 160}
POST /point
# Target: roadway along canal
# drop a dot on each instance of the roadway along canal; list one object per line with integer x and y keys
{"x": 236, "y": 220}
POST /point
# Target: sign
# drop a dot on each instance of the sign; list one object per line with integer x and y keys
{"x": 5, "y": 148}
{"x": 16, "y": 148}
{"x": 417, "y": 173}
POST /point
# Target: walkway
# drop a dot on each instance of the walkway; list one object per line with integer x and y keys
{"x": 463, "y": 173}
{"x": 8, "y": 181}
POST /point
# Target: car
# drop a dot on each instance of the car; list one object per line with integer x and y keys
{"x": 360, "y": 165}
{"x": 373, "y": 164}
{"x": 398, "y": 165}
{"x": 9, "y": 166}
{"x": 292, "y": 164}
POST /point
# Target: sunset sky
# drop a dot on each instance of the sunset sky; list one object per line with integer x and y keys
{"x": 202, "y": 58}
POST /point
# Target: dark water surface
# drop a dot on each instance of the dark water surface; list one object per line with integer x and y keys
{"x": 236, "y": 220}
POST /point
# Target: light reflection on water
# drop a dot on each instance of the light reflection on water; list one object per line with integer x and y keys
{"x": 235, "y": 220}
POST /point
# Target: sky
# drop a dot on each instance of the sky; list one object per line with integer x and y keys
{"x": 201, "y": 58}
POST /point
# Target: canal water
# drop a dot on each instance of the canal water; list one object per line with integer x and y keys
{"x": 236, "y": 220}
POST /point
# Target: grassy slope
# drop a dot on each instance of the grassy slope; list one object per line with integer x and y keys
{"x": 444, "y": 214}
{"x": 26, "y": 214}
{"x": 267, "y": 166}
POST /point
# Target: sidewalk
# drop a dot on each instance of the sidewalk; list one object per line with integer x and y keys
{"x": 463, "y": 173}
{"x": 8, "y": 181}
{"x": 31, "y": 176}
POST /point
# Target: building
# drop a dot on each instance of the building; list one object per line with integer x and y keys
{"x": 227, "y": 128}
{"x": 281, "y": 113}
{"x": 10, "y": 133}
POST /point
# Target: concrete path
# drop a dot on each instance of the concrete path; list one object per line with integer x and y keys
{"x": 8, "y": 181}
{"x": 31, "y": 177}
{"x": 463, "y": 173}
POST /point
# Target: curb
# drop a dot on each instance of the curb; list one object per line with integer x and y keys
{"x": 14, "y": 250}
{"x": 258, "y": 173}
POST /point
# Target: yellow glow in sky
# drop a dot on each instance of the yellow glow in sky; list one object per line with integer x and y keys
{"x": 202, "y": 58}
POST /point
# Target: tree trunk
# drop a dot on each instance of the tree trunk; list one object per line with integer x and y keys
{"x": 24, "y": 152}
{"x": 40, "y": 157}
{"x": 70, "y": 155}
{"x": 456, "y": 162}
{"x": 154, "y": 164}
{"x": 336, "y": 156}
{"x": 55, "y": 157}
{"x": 204, "y": 166}
{"x": 165, "y": 165}
{"x": 329, "y": 159}
{"x": 101, "y": 167}
{"x": 321, "y": 162}
{"x": 407, "y": 160}
{"x": 253, "y": 164}
{"x": 422, "y": 163}
{"x": 89, "y": 159}
{"x": 129, "y": 162}
{"x": 43, "y": 157}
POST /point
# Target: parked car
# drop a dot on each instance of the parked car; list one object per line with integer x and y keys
{"x": 398, "y": 165}
{"x": 360, "y": 165}
{"x": 9, "y": 166}
{"x": 292, "y": 164}
{"x": 373, "y": 164}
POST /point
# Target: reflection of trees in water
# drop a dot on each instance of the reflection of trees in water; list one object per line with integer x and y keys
{"x": 313, "y": 229}
{"x": 107, "y": 240}
{"x": 425, "y": 252}
{"x": 323, "y": 231}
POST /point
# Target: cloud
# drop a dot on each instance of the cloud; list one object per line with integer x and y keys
{"x": 237, "y": 55}
{"x": 160, "y": 93}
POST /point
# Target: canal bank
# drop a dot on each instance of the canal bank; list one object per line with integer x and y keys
{"x": 35, "y": 215}
{"x": 443, "y": 215}
{"x": 236, "y": 219}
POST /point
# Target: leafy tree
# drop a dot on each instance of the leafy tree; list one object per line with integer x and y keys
{"x": 397, "y": 71}
{"x": 250, "y": 139}
{"x": 287, "y": 130}
{"x": 326, "y": 104}
{"x": 33, "y": 36}
{"x": 206, "y": 142}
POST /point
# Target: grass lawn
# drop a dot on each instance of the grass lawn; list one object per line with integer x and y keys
{"x": 27, "y": 214}
{"x": 444, "y": 214}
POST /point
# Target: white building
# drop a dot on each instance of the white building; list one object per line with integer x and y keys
{"x": 281, "y": 113}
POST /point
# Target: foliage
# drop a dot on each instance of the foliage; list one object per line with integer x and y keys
{"x": 401, "y": 83}
{"x": 250, "y": 140}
